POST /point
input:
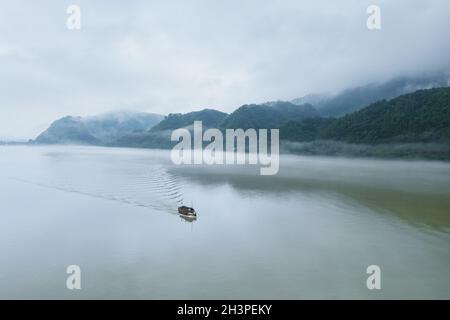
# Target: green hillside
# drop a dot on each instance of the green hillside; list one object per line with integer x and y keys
{"x": 209, "y": 118}
{"x": 353, "y": 99}
{"x": 266, "y": 117}
{"x": 422, "y": 116}
{"x": 419, "y": 117}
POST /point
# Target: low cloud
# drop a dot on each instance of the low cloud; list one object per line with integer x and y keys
{"x": 175, "y": 56}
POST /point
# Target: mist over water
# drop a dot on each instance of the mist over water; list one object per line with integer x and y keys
{"x": 308, "y": 232}
{"x": 108, "y": 176}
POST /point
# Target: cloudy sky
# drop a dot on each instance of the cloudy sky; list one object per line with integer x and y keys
{"x": 177, "y": 56}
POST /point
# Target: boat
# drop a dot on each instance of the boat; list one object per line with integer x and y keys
{"x": 187, "y": 211}
{"x": 189, "y": 219}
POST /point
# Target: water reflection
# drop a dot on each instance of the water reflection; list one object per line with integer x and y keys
{"x": 309, "y": 232}
{"x": 405, "y": 195}
{"x": 188, "y": 219}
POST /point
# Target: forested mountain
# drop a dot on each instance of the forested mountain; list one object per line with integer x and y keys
{"x": 268, "y": 116}
{"x": 159, "y": 135}
{"x": 103, "y": 129}
{"x": 209, "y": 117}
{"x": 305, "y": 130}
{"x": 422, "y": 116}
{"x": 354, "y": 99}
{"x": 67, "y": 130}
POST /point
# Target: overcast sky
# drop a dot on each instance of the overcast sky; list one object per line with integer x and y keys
{"x": 178, "y": 56}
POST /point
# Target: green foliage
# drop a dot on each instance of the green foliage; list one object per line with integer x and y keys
{"x": 98, "y": 130}
{"x": 356, "y": 98}
{"x": 209, "y": 118}
{"x": 268, "y": 117}
{"x": 67, "y": 130}
{"x": 422, "y": 116}
{"x": 305, "y": 130}
{"x": 411, "y": 125}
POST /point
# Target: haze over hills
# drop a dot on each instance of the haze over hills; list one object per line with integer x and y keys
{"x": 349, "y": 100}
{"x": 159, "y": 135}
{"x": 97, "y": 130}
{"x": 422, "y": 116}
{"x": 210, "y": 118}
{"x": 419, "y": 117}
{"x": 415, "y": 125}
{"x": 247, "y": 116}
{"x": 268, "y": 116}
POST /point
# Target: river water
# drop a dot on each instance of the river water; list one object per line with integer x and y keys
{"x": 311, "y": 231}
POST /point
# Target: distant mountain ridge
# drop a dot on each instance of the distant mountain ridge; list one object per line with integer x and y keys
{"x": 353, "y": 99}
{"x": 209, "y": 117}
{"x": 97, "y": 130}
{"x": 422, "y": 116}
{"x": 159, "y": 135}
{"x": 247, "y": 116}
{"x": 268, "y": 116}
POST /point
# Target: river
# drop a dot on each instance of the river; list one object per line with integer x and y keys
{"x": 311, "y": 231}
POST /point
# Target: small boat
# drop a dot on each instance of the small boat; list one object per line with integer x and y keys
{"x": 189, "y": 219}
{"x": 187, "y": 211}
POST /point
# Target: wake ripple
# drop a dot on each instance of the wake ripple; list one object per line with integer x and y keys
{"x": 156, "y": 188}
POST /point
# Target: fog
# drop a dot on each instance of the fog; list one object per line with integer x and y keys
{"x": 178, "y": 56}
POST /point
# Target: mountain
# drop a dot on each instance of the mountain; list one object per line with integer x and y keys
{"x": 159, "y": 135}
{"x": 356, "y": 98}
{"x": 247, "y": 116}
{"x": 419, "y": 117}
{"x": 67, "y": 130}
{"x": 316, "y": 99}
{"x": 209, "y": 118}
{"x": 268, "y": 116}
{"x": 97, "y": 130}
{"x": 411, "y": 125}
{"x": 422, "y": 116}
{"x": 305, "y": 130}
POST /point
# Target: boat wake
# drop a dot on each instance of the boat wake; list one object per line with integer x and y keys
{"x": 156, "y": 188}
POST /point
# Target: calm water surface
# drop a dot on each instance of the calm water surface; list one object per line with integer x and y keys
{"x": 309, "y": 232}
